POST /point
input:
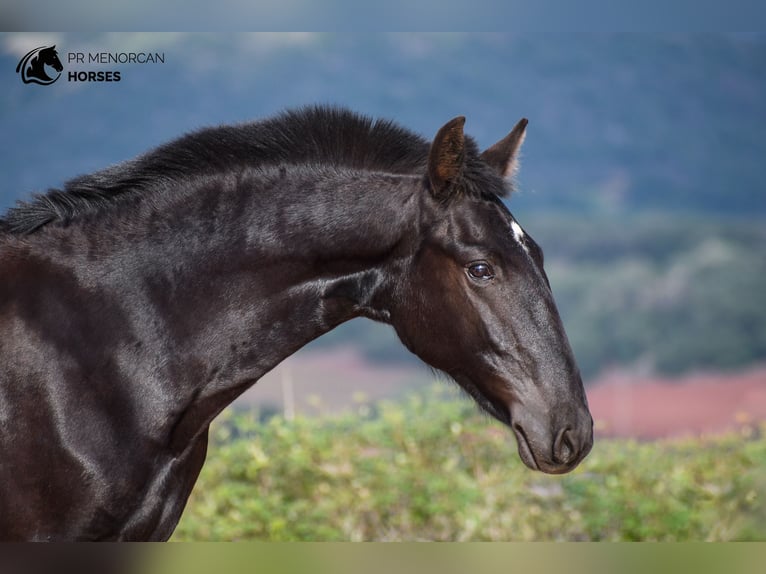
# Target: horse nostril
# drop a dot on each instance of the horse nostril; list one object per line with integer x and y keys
{"x": 564, "y": 448}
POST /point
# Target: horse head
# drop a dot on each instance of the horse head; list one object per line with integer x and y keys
{"x": 474, "y": 301}
{"x": 32, "y": 66}
{"x": 50, "y": 57}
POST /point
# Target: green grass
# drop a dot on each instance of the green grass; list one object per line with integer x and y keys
{"x": 434, "y": 469}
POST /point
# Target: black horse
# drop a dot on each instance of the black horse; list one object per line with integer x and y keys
{"x": 139, "y": 301}
{"x": 32, "y": 66}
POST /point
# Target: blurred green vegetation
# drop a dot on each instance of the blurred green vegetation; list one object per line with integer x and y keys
{"x": 655, "y": 292}
{"x": 433, "y": 468}
{"x": 662, "y": 294}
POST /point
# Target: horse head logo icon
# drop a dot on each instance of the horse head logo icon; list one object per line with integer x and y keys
{"x": 32, "y": 67}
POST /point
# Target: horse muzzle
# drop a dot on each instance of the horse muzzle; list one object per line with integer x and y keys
{"x": 552, "y": 447}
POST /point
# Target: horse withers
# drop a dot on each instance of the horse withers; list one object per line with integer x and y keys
{"x": 139, "y": 301}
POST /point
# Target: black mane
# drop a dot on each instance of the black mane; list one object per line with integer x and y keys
{"x": 318, "y": 135}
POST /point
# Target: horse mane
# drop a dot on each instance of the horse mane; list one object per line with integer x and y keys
{"x": 316, "y": 135}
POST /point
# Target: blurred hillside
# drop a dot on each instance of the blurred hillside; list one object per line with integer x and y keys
{"x": 616, "y": 121}
{"x": 642, "y": 173}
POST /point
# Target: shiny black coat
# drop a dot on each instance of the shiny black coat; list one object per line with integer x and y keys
{"x": 139, "y": 301}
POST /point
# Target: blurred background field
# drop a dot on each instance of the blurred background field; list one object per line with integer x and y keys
{"x": 431, "y": 468}
{"x": 643, "y": 180}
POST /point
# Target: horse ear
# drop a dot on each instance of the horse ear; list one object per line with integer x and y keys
{"x": 445, "y": 160}
{"x": 504, "y": 155}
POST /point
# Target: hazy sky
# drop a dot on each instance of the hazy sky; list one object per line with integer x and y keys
{"x": 405, "y": 15}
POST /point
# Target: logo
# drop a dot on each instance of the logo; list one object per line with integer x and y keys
{"x": 32, "y": 67}
{"x": 42, "y": 65}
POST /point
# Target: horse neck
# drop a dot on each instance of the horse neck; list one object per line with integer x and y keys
{"x": 221, "y": 282}
{"x": 38, "y": 65}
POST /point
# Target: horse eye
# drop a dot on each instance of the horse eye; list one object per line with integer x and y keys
{"x": 481, "y": 271}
